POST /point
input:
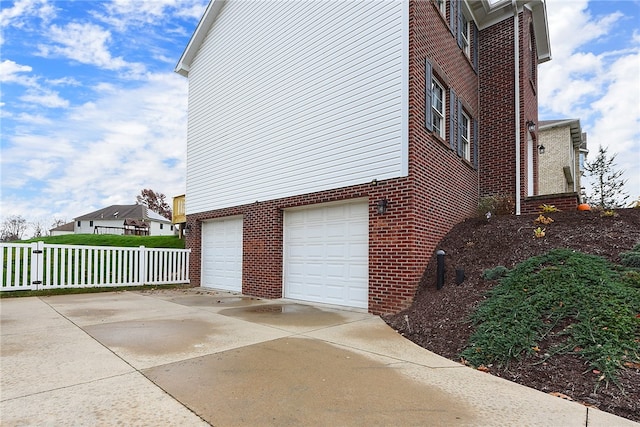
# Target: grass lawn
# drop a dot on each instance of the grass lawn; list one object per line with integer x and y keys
{"x": 111, "y": 240}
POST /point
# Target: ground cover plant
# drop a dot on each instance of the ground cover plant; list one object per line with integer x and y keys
{"x": 554, "y": 360}
{"x": 558, "y": 303}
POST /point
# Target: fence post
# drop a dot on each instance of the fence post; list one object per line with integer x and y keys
{"x": 142, "y": 268}
{"x": 37, "y": 264}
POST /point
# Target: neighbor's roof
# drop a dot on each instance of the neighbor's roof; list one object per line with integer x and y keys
{"x": 64, "y": 227}
{"x": 573, "y": 125}
{"x": 485, "y": 13}
{"x": 122, "y": 212}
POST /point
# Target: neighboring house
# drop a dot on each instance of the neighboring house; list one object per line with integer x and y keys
{"x": 561, "y": 164}
{"x": 63, "y": 229}
{"x": 331, "y": 145}
{"x": 124, "y": 219}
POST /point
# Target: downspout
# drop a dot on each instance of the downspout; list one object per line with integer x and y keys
{"x": 516, "y": 50}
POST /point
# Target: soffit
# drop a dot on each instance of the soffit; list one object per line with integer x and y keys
{"x": 486, "y": 13}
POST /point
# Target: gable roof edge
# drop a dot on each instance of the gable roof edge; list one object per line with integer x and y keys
{"x": 541, "y": 30}
{"x": 210, "y": 14}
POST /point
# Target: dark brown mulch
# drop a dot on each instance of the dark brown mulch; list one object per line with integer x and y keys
{"x": 438, "y": 320}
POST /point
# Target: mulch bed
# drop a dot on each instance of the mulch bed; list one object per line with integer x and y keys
{"x": 439, "y": 320}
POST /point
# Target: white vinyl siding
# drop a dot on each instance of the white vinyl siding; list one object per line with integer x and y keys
{"x": 326, "y": 254}
{"x": 293, "y": 97}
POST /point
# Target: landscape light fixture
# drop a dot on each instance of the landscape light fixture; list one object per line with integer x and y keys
{"x": 541, "y": 149}
{"x": 381, "y": 206}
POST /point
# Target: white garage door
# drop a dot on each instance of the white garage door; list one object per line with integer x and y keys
{"x": 222, "y": 254}
{"x": 326, "y": 254}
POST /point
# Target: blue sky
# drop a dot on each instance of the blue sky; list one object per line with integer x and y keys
{"x": 91, "y": 111}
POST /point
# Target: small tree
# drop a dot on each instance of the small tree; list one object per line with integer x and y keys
{"x": 607, "y": 182}
{"x": 57, "y": 222}
{"x": 13, "y": 228}
{"x": 38, "y": 229}
{"x": 154, "y": 201}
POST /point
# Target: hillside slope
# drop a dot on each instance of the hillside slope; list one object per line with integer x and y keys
{"x": 439, "y": 320}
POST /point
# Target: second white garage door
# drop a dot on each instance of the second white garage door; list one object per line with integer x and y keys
{"x": 222, "y": 254}
{"x": 326, "y": 254}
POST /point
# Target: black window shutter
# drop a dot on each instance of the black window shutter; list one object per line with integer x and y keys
{"x": 452, "y": 16}
{"x": 476, "y": 148}
{"x": 428, "y": 115}
{"x": 476, "y": 45}
{"x": 452, "y": 119}
{"x": 460, "y": 153}
{"x": 459, "y": 32}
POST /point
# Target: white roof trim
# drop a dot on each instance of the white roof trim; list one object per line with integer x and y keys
{"x": 210, "y": 14}
{"x": 486, "y": 13}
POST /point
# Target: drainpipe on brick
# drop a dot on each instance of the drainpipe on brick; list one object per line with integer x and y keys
{"x": 516, "y": 50}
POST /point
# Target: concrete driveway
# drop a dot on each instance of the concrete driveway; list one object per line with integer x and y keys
{"x": 200, "y": 357}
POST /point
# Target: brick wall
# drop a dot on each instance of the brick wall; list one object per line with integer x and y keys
{"x": 564, "y": 202}
{"x": 558, "y": 146}
{"x": 497, "y": 100}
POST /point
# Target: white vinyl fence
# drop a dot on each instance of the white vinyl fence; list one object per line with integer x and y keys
{"x": 37, "y": 266}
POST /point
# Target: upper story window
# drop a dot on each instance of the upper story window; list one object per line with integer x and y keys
{"x": 533, "y": 55}
{"x": 442, "y": 6}
{"x": 438, "y": 108}
{"x": 465, "y": 136}
{"x": 465, "y": 34}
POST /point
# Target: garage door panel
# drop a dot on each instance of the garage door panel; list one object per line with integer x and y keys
{"x": 336, "y": 231}
{"x": 326, "y": 254}
{"x": 358, "y": 272}
{"x": 358, "y": 251}
{"x": 358, "y": 230}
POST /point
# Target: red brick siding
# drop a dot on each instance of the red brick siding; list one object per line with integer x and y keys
{"x": 564, "y": 202}
{"x": 497, "y": 98}
{"x": 445, "y": 186}
{"x": 497, "y": 153}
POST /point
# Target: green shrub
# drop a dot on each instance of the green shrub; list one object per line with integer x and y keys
{"x": 631, "y": 258}
{"x": 496, "y": 205}
{"x": 495, "y": 273}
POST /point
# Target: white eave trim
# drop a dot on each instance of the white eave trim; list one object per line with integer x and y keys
{"x": 484, "y": 14}
{"x": 541, "y": 30}
{"x": 210, "y": 14}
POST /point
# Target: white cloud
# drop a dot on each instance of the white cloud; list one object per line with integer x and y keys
{"x": 598, "y": 86}
{"x": 45, "y": 98}
{"x": 87, "y": 44}
{"x": 64, "y": 81}
{"x": 23, "y": 9}
{"x": 12, "y": 72}
{"x": 32, "y": 119}
{"x": 122, "y": 14}
{"x": 103, "y": 152}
